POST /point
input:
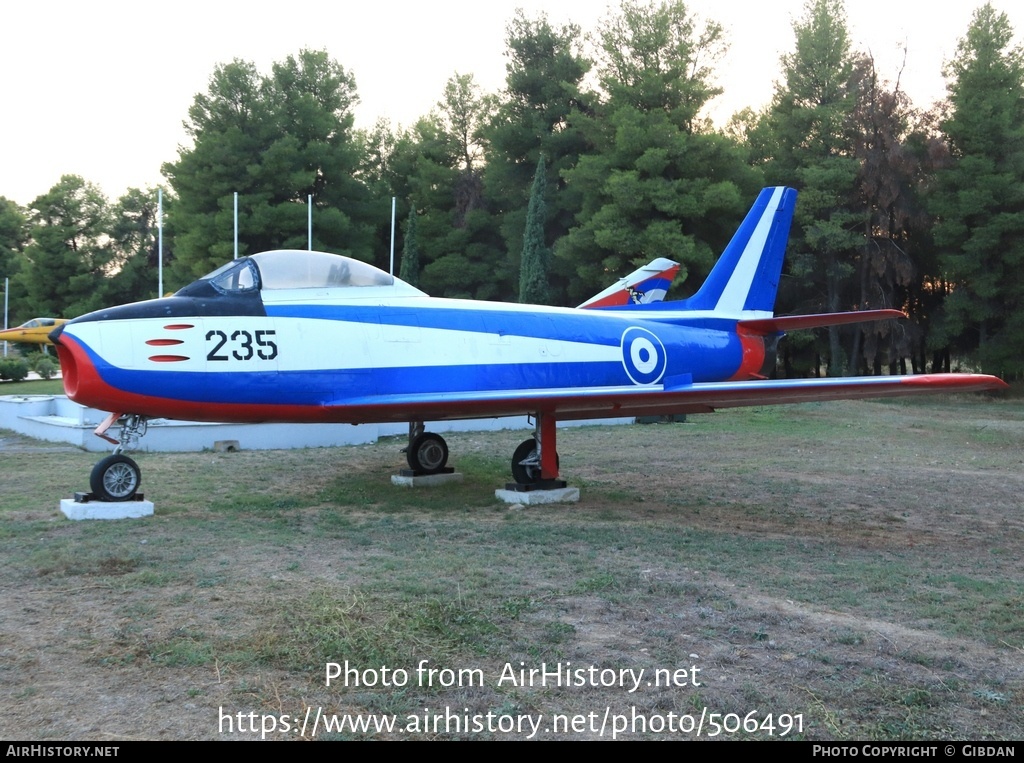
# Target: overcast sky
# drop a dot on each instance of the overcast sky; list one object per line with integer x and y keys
{"x": 99, "y": 88}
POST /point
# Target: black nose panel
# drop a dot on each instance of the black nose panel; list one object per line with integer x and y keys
{"x": 182, "y": 307}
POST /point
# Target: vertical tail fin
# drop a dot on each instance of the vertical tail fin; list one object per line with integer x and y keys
{"x": 746, "y": 276}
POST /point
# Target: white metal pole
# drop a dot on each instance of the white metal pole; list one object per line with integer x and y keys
{"x": 392, "y": 270}
{"x": 309, "y": 220}
{"x": 160, "y": 242}
{"x": 236, "y": 225}
{"x": 7, "y": 289}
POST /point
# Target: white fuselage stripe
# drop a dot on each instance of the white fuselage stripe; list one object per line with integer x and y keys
{"x": 734, "y": 296}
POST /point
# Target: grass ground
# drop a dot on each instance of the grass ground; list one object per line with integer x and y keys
{"x": 34, "y": 387}
{"x": 834, "y": 571}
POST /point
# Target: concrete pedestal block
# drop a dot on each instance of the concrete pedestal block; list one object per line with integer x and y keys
{"x": 532, "y": 497}
{"x": 73, "y": 509}
{"x": 424, "y": 480}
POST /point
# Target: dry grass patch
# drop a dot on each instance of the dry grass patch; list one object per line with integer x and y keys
{"x": 856, "y": 564}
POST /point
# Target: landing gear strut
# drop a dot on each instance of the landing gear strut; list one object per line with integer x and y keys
{"x": 535, "y": 462}
{"x": 427, "y": 452}
{"x": 117, "y": 477}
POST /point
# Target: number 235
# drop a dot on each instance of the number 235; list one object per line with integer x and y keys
{"x": 241, "y": 345}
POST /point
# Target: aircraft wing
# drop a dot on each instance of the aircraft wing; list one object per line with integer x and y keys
{"x": 676, "y": 396}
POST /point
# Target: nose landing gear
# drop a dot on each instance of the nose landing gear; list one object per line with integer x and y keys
{"x": 117, "y": 477}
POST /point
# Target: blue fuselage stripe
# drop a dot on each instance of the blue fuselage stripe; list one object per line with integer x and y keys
{"x": 569, "y": 328}
{"x": 331, "y": 387}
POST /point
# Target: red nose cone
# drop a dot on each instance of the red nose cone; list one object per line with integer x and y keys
{"x": 69, "y": 370}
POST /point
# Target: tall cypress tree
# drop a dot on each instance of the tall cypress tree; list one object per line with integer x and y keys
{"x": 533, "y": 268}
{"x": 410, "y": 270}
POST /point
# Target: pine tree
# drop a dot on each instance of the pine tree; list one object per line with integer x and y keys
{"x": 979, "y": 198}
{"x": 70, "y": 251}
{"x": 275, "y": 140}
{"x": 13, "y": 235}
{"x": 133, "y": 239}
{"x": 540, "y": 112}
{"x": 809, "y": 142}
{"x": 887, "y": 271}
{"x": 657, "y": 181}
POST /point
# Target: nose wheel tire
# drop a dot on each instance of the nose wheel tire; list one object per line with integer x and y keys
{"x": 428, "y": 453}
{"x": 115, "y": 478}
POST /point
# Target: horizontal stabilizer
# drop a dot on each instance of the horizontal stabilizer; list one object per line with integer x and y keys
{"x": 783, "y": 323}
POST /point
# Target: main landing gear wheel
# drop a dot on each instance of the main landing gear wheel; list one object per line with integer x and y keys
{"x": 428, "y": 453}
{"x": 115, "y": 478}
{"x": 526, "y": 463}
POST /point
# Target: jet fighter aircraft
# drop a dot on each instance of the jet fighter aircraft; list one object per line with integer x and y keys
{"x": 300, "y": 336}
{"x": 35, "y": 331}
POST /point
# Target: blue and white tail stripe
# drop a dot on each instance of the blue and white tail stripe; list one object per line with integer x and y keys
{"x": 746, "y": 276}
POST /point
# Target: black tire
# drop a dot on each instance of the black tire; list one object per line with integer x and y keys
{"x": 525, "y": 474}
{"x": 528, "y": 474}
{"x": 428, "y": 453}
{"x": 115, "y": 478}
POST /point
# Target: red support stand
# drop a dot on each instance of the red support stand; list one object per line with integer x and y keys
{"x": 548, "y": 452}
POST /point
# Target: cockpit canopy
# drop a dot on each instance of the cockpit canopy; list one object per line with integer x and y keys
{"x": 314, "y": 270}
{"x": 293, "y": 269}
{"x": 36, "y": 323}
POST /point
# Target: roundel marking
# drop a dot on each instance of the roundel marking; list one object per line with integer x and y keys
{"x": 643, "y": 356}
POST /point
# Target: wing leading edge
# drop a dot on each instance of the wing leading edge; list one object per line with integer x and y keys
{"x": 677, "y": 397}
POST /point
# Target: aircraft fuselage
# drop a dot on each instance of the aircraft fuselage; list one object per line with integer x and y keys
{"x": 300, "y": 355}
